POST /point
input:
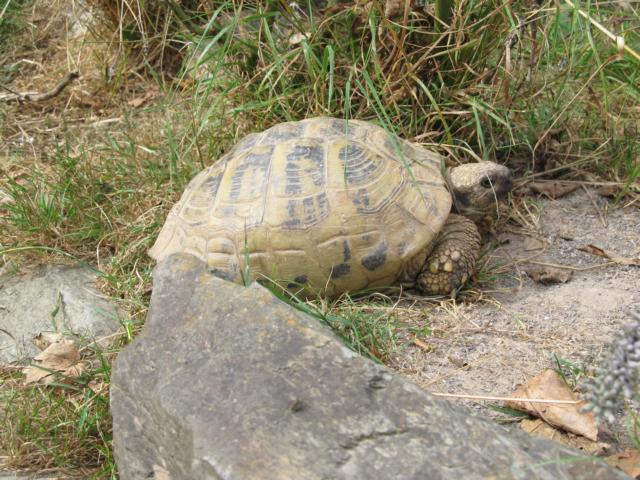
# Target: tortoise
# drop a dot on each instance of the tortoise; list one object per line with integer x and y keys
{"x": 331, "y": 206}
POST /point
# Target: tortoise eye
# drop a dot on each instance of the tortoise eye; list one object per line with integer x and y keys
{"x": 486, "y": 183}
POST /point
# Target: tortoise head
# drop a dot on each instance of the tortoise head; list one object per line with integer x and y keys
{"x": 477, "y": 188}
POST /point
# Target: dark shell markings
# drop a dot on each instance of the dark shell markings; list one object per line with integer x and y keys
{"x": 321, "y": 204}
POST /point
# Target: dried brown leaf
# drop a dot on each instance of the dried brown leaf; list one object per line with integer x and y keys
{"x": 627, "y": 461}
{"x": 593, "y": 250}
{"x": 539, "y": 428}
{"x": 6, "y": 199}
{"x": 625, "y": 4}
{"x": 97, "y": 386}
{"x": 423, "y": 345}
{"x": 547, "y": 275}
{"x": 609, "y": 191}
{"x": 553, "y": 189}
{"x": 298, "y": 37}
{"x": 458, "y": 362}
{"x": 160, "y": 473}
{"x": 549, "y": 385}
{"x": 393, "y": 8}
{"x": 142, "y": 99}
{"x": 532, "y": 244}
{"x": 62, "y": 357}
{"x": 566, "y": 234}
{"x": 44, "y": 339}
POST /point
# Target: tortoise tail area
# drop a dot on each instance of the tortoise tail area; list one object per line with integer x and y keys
{"x": 171, "y": 240}
{"x": 178, "y": 237}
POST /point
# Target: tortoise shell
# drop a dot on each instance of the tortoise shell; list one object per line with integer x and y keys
{"x": 327, "y": 204}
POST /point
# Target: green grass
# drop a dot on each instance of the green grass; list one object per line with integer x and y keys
{"x": 11, "y": 18}
{"x": 567, "y": 107}
{"x": 64, "y": 426}
{"x": 11, "y": 24}
{"x": 633, "y": 427}
{"x": 352, "y": 65}
{"x": 368, "y": 328}
{"x": 569, "y": 371}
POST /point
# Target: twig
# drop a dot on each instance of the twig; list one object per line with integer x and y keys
{"x": 7, "y": 332}
{"x": 595, "y": 205}
{"x": 588, "y": 183}
{"x": 505, "y": 399}
{"x": 620, "y": 43}
{"x": 570, "y": 267}
{"x": 8, "y": 89}
{"x": 512, "y": 39}
{"x": 40, "y": 97}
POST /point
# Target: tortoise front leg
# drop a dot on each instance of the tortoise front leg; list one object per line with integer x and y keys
{"x": 453, "y": 258}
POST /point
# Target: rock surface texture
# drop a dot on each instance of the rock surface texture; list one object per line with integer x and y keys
{"x": 227, "y": 382}
{"x": 53, "y": 299}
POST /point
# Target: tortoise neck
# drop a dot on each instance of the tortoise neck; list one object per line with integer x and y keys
{"x": 451, "y": 188}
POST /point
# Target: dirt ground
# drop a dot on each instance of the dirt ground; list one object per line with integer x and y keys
{"x": 489, "y": 347}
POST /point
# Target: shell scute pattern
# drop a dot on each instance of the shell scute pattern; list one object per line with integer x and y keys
{"x": 197, "y": 202}
{"x": 296, "y": 195}
{"x": 333, "y": 127}
{"x": 304, "y": 162}
{"x": 245, "y": 143}
{"x": 357, "y": 165}
{"x": 282, "y": 132}
{"x": 320, "y": 202}
{"x": 248, "y": 176}
{"x": 375, "y": 259}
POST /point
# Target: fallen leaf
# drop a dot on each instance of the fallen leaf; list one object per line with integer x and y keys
{"x": 185, "y": 83}
{"x": 297, "y": 38}
{"x": 609, "y": 191}
{"x": 6, "y": 199}
{"x": 539, "y": 428}
{"x": 423, "y": 345}
{"x": 160, "y": 473}
{"x": 549, "y": 386}
{"x": 44, "y": 339}
{"x": 625, "y": 4}
{"x": 393, "y": 8}
{"x": 553, "y": 189}
{"x": 593, "y": 250}
{"x": 566, "y": 234}
{"x": 627, "y": 461}
{"x": 141, "y": 100}
{"x": 96, "y": 386}
{"x": 532, "y": 244}
{"x": 547, "y": 275}
{"x": 459, "y": 362}
{"x": 399, "y": 94}
{"x": 62, "y": 357}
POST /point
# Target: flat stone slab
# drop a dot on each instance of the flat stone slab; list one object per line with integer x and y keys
{"x": 52, "y": 299}
{"x": 227, "y": 382}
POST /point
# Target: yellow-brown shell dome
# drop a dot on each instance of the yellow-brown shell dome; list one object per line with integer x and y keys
{"x": 334, "y": 205}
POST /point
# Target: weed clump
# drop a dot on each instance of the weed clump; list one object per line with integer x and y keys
{"x": 618, "y": 377}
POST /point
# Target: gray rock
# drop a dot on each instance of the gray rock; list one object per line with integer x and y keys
{"x": 227, "y": 382}
{"x": 51, "y": 299}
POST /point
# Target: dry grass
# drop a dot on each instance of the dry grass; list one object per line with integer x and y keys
{"x": 61, "y": 428}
